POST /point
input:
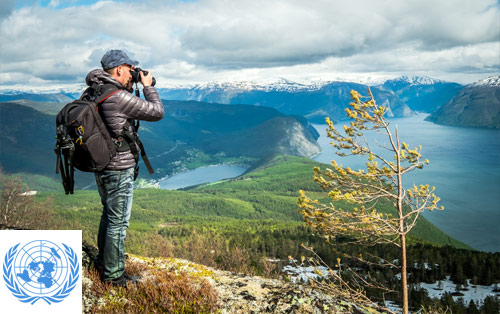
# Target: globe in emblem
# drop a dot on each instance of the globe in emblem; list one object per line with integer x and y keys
{"x": 41, "y": 267}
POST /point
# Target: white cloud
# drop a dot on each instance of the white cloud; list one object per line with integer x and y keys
{"x": 212, "y": 39}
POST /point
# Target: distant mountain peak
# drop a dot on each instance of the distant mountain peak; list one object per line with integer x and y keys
{"x": 475, "y": 105}
{"x": 67, "y": 89}
{"x": 490, "y": 81}
{"x": 280, "y": 84}
{"x": 419, "y": 80}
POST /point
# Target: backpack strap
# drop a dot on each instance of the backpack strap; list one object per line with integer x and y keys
{"x": 127, "y": 140}
{"x": 133, "y": 141}
{"x": 104, "y": 91}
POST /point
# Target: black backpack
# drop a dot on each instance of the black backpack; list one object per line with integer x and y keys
{"x": 84, "y": 143}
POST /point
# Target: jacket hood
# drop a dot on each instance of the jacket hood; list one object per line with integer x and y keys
{"x": 100, "y": 77}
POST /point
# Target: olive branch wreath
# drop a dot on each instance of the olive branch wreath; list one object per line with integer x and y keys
{"x": 19, "y": 293}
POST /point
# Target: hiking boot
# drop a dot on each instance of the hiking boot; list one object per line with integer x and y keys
{"x": 123, "y": 280}
{"x": 98, "y": 264}
{"x": 133, "y": 279}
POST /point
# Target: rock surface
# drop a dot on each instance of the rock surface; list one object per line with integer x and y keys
{"x": 239, "y": 293}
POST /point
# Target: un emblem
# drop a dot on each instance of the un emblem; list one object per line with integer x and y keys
{"x": 41, "y": 269}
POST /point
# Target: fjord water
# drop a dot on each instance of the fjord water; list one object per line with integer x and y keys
{"x": 201, "y": 175}
{"x": 464, "y": 167}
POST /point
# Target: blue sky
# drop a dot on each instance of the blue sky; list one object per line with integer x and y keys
{"x": 53, "y": 3}
{"x": 52, "y": 44}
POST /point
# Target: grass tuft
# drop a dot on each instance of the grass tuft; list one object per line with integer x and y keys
{"x": 158, "y": 291}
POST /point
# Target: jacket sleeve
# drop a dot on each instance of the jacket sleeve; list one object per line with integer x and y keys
{"x": 133, "y": 107}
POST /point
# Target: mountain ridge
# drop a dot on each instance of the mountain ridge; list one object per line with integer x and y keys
{"x": 279, "y": 83}
{"x": 418, "y": 80}
{"x": 423, "y": 94}
{"x": 489, "y": 81}
{"x": 315, "y": 99}
{"x": 312, "y": 102}
{"x": 475, "y": 105}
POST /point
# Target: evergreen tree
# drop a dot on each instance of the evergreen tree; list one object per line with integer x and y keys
{"x": 458, "y": 276}
{"x": 472, "y": 308}
{"x": 491, "y": 305}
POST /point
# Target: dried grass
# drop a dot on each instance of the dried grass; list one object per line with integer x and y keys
{"x": 158, "y": 291}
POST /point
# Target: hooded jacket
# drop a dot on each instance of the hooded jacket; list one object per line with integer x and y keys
{"x": 121, "y": 107}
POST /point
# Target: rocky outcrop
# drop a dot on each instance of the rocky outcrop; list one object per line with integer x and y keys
{"x": 237, "y": 293}
{"x": 244, "y": 294}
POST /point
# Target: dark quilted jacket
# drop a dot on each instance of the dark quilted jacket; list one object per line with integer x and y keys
{"x": 119, "y": 107}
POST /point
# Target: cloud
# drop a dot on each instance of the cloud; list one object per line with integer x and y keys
{"x": 6, "y": 7}
{"x": 295, "y": 32}
{"x": 194, "y": 40}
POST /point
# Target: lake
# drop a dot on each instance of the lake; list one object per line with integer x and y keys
{"x": 464, "y": 167}
{"x": 201, "y": 175}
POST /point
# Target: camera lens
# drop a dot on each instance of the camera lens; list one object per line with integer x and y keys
{"x": 136, "y": 77}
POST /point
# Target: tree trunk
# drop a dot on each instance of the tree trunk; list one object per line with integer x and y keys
{"x": 404, "y": 276}
{"x": 402, "y": 232}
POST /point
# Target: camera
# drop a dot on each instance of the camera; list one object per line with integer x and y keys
{"x": 136, "y": 77}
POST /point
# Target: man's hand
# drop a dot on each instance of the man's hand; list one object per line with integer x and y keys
{"x": 146, "y": 80}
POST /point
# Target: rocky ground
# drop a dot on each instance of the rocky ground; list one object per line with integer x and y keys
{"x": 237, "y": 293}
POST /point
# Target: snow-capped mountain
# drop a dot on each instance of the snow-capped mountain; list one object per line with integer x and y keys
{"x": 312, "y": 99}
{"x": 422, "y": 93}
{"x": 418, "y": 80}
{"x": 281, "y": 84}
{"x": 476, "y": 105}
{"x": 64, "y": 89}
{"x": 317, "y": 98}
{"x": 272, "y": 84}
{"x": 487, "y": 82}
{"x": 50, "y": 97}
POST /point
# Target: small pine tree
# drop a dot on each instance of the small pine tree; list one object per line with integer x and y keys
{"x": 365, "y": 223}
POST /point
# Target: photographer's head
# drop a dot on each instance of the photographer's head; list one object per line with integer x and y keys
{"x": 119, "y": 65}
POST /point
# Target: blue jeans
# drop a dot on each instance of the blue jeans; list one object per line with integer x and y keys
{"x": 116, "y": 190}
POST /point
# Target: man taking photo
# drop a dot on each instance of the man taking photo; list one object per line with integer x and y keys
{"x": 119, "y": 110}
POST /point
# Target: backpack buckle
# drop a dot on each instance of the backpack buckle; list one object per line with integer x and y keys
{"x": 118, "y": 142}
{"x": 80, "y": 131}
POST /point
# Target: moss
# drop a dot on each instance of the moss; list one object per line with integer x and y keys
{"x": 164, "y": 288}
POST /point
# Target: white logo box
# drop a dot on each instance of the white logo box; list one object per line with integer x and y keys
{"x": 65, "y": 250}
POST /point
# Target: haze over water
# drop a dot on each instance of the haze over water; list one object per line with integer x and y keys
{"x": 464, "y": 167}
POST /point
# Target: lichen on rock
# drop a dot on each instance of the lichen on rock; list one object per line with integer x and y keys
{"x": 227, "y": 292}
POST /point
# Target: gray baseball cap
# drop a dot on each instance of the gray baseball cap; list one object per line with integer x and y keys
{"x": 114, "y": 58}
